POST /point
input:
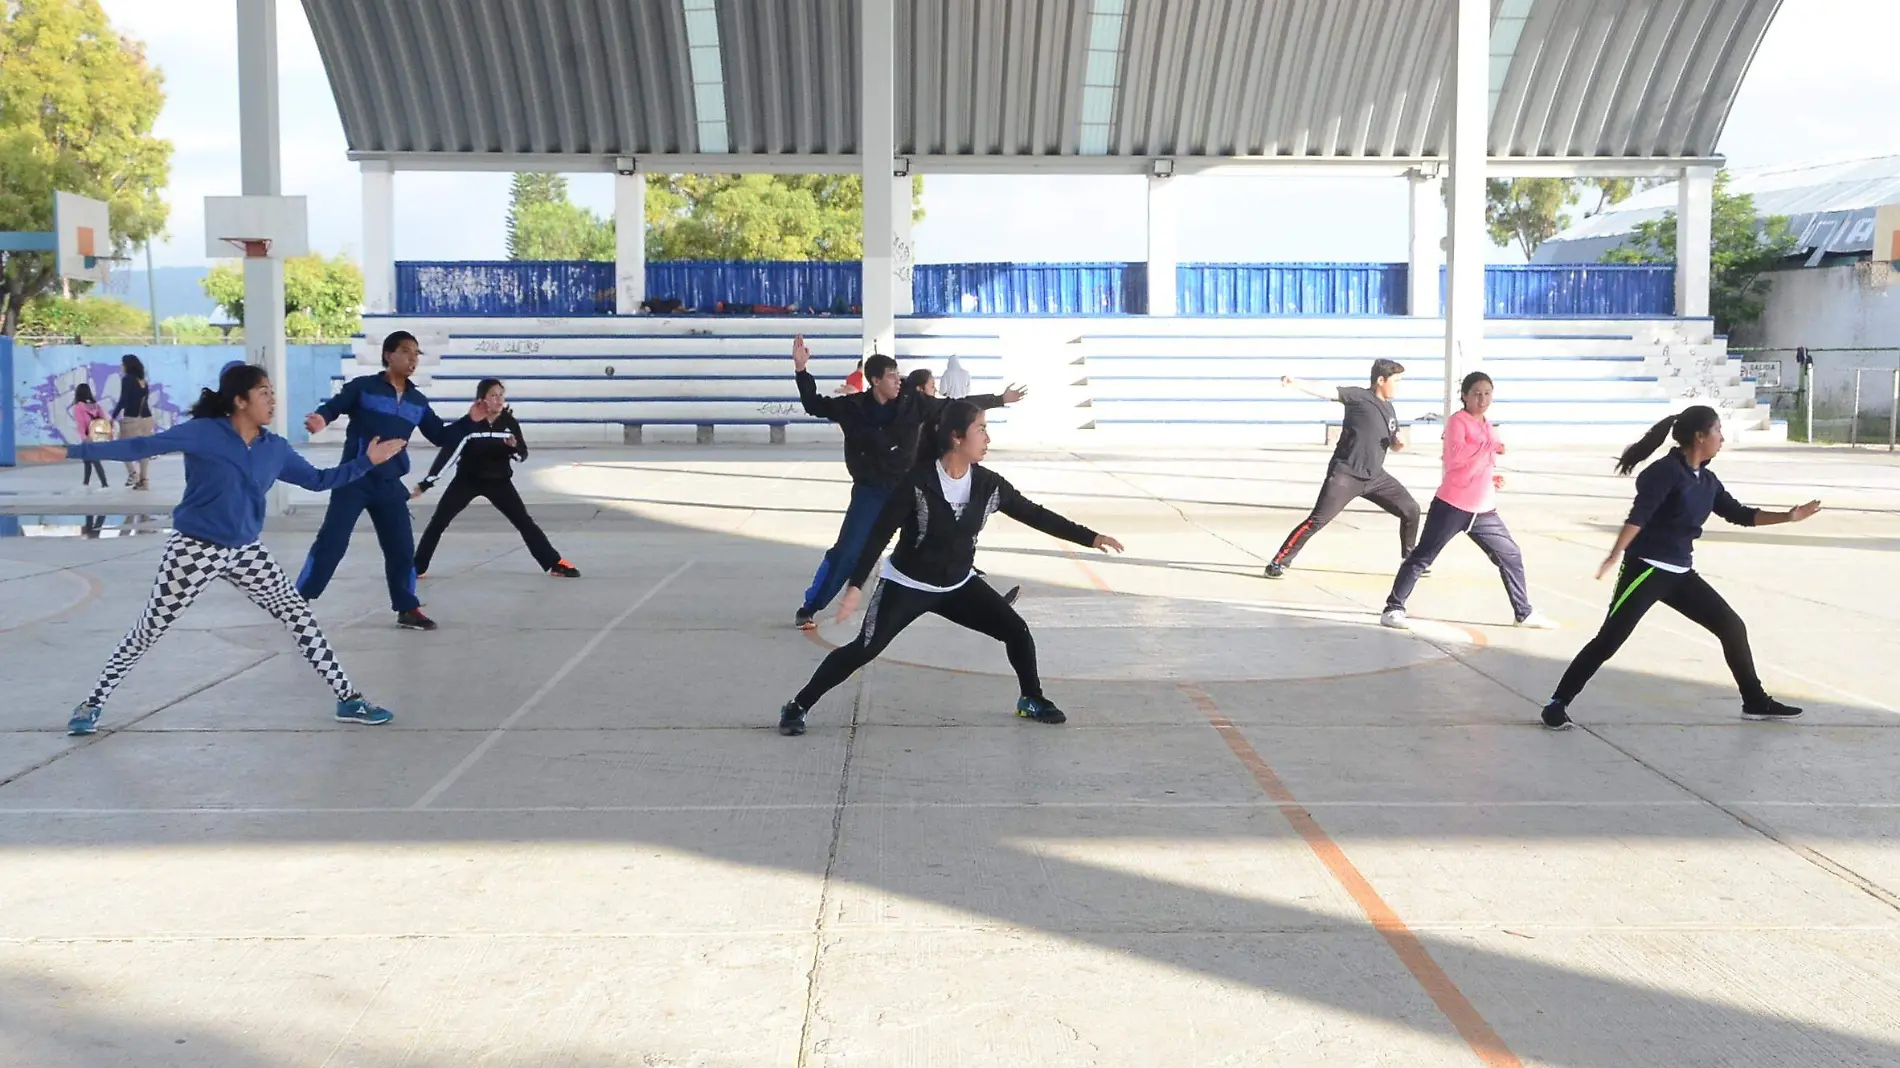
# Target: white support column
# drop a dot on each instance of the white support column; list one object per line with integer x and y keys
{"x": 259, "y": 136}
{"x": 1470, "y": 122}
{"x": 1427, "y": 254}
{"x": 1695, "y": 241}
{"x": 379, "y": 237}
{"x": 1163, "y": 236}
{"x": 903, "y": 248}
{"x": 877, "y": 142}
{"x": 630, "y": 241}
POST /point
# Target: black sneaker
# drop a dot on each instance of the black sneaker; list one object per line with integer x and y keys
{"x": 1040, "y": 709}
{"x": 804, "y": 619}
{"x": 1557, "y": 715}
{"x": 414, "y": 620}
{"x": 1772, "y": 710}
{"x": 791, "y": 719}
{"x": 1276, "y": 570}
{"x": 564, "y": 570}
{"x": 1010, "y": 597}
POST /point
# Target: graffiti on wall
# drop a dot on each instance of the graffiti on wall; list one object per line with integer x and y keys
{"x": 44, "y": 408}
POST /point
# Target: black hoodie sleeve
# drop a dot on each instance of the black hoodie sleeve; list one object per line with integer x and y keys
{"x": 1033, "y": 515}
{"x": 836, "y": 409}
{"x": 888, "y": 520}
{"x": 513, "y": 426}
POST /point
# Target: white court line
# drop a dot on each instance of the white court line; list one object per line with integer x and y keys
{"x": 547, "y": 687}
{"x": 1708, "y": 641}
{"x": 927, "y": 805}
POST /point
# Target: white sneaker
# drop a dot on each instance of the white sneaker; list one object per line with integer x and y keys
{"x": 1538, "y": 621}
{"x": 1395, "y": 619}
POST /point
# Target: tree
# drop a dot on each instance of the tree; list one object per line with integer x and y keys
{"x": 323, "y": 298}
{"x": 543, "y": 224}
{"x": 190, "y": 330}
{"x": 77, "y": 103}
{"x": 1530, "y": 211}
{"x": 759, "y": 216}
{"x": 1744, "y": 248}
{"x": 100, "y": 318}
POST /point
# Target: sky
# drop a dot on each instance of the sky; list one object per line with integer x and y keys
{"x": 1820, "y": 89}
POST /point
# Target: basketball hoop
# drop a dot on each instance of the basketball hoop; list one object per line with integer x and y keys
{"x": 254, "y": 248}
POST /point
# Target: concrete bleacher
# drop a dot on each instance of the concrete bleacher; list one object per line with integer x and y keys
{"x": 611, "y": 380}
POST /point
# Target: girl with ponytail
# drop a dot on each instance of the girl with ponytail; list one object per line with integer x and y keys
{"x": 1655, "y": 550}
{"x": 941, "y": 508}
{"x": 231, "y": 460}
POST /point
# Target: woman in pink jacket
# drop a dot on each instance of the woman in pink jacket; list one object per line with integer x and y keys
{"x": 1467, "y": 501}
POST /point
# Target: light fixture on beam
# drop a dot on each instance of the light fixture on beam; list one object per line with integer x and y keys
{"x": 900, "y": 167}
{"x": 1163, "y": 168}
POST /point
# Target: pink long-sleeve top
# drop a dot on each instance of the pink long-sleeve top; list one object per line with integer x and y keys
{"x": 83, "y": 415}
{"x": 1471, "y": 449}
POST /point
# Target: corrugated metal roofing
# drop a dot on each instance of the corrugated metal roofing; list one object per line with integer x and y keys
{"x": 990, "y": 78}
{"x": 1830, "y": 206}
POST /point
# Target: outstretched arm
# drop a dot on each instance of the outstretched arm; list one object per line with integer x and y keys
{"x": 1033, "y": 515}
{"x": 1770, "y": 519}
{"x": 298, "y": 472}
{"x": 172, "y": 440}
{"x": 459, "y": 432}
{"x": 1311, "y": 389}
{"x": 342, "y": 403}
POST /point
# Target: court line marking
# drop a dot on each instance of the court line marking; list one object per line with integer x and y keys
{"x": 1405, "y": 943}
{"x": 534, "y": 699}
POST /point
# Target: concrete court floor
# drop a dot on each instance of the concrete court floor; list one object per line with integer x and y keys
{"x": 1272, "y": 833}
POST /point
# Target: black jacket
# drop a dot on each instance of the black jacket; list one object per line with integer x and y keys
{"x": 1672, "y": 502}
{"x": 481, "y": 449}
{"x": 135, "y": 399}
{"x": 935, "y": 546}
{"x": 881, "y": 441}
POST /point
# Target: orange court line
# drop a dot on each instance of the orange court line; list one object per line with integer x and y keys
{"x": 1444, "y": 993}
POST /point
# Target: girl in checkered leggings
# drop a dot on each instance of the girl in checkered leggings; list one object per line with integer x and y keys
{"x": 231, "y": 461}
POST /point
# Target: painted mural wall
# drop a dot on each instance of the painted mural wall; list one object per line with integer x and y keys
{"x": 44, "y": 380}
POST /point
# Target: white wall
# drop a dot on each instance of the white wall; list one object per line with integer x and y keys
{"x": 1834, "y": 307}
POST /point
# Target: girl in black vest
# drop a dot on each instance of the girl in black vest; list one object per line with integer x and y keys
{"x": 941, "y": 508}
{"x": 485, "y": 452}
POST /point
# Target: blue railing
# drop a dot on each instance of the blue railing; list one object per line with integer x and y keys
{"x": 530, "y": 289}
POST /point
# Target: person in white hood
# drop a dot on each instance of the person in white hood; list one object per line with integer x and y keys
{"x": 955, "y": 382}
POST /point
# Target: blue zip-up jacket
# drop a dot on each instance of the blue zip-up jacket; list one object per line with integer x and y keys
{"x": 1673, "y": 500}
{"x": 376, "y": 411}
{"x": 225, "y": 480}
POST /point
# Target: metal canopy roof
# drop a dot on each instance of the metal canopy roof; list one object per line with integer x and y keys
{"x": 1000, "y": 84}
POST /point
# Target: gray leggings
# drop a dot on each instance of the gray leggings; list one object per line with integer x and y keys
{"x": 1442, "y": 524}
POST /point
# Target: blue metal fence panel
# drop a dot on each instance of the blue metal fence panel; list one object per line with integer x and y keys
{"x": 505, "y": 288}
{"x": 1030, "y": 288}
{"x": 1577, "y": 291}
{"x": 704, "y": 285}
{"x": 1312, "y": 289}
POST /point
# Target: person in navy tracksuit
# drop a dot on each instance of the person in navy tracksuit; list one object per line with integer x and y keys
{"x": 379, "y": 406}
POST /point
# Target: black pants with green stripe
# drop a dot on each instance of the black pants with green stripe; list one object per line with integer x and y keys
{"x": 1640, "y": 585}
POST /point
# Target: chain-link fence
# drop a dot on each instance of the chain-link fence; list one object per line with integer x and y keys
{"x": 1837, "y": 395}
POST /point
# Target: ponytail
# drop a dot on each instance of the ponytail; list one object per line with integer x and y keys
{"x": 238, "y": 380}
{"x": 1685, "y": 426}
{"x": 955, "y": 423}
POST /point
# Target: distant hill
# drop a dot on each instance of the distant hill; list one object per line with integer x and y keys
{"x": 179, "y": 291}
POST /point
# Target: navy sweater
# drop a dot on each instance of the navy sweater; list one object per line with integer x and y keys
{"x": 225, "y": 479}
{"x": 376, "y": 410}
{"x": 1673, "y": 500}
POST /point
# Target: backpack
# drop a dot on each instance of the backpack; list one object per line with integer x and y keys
{"x": 99, "y": 430}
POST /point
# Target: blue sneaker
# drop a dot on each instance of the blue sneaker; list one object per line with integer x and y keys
{"x": 1040, "y": 709}
{"x": 358, "y": 710}
{"x": 85, "y": 720}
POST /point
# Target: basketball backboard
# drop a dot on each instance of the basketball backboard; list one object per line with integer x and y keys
{"x": 82, "y": 231}
{"x": 274, "y": 227}
{"x": 1887, "y": 233}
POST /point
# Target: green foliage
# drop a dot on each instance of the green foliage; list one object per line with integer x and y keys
{"x": 759, "y": 216}
{"x": 54, "y": 316}
{"x": 323, "y": 298}
{"x": 77, "y": 103}
{"x": 543, "y": 224}
{"x": 1744, "y": 249}
{"x": 1526, "y": 211}
{"x": 190, "y": 330}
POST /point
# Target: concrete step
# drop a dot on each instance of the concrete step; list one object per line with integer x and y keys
{"x": 522, "y": 388}
{"x": 1354, "y": 372}
{"x": 1363, "y": 349}
{"x": 823, "y": 368}
{"x": 1144, "y": 387}
{"x": 1309, "y": 410}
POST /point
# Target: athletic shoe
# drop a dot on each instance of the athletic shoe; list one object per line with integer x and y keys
{"x": 358, "y": 710}
{"x": 414, "y": 620}
{"x": 1394, "y": 618}
{"x": 1557, "y": 715}
{"x": 85, "y": 720}
{"x": 791, "y": 719}
{"x": 564, "y": 570}
{"x": 1040, "y": 709}
{"x": 1276, "y": 570}
{"x": 804, "y": 619}
{"x": 1010, "y": 597}
{"x": 1772, "y": 710}
{"x": 1538, "y": 621}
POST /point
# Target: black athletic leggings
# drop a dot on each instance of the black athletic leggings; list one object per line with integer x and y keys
{"x": 1341, "y": 489}
{"x": 1640, "y": 585}
{"x": 975, "y": 605}
{"x": 501, "y": 493}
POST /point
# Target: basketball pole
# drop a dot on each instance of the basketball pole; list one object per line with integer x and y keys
{"x": 259, "y": 133}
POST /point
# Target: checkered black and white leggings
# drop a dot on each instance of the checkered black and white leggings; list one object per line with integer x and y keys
{"x": 190, "y": 565}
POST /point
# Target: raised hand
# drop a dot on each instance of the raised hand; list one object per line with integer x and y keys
{"x": 848, "y": 603}
{"x": 1106, "y": 543}
{"x": 314, "y": 422}
{"x": 800, "y": 354}
{"x": 381, "y": 449}
{"x": 1796, "y": 515}
{"x": 1014, "y": 393}
{"x": 478, "y": 411}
